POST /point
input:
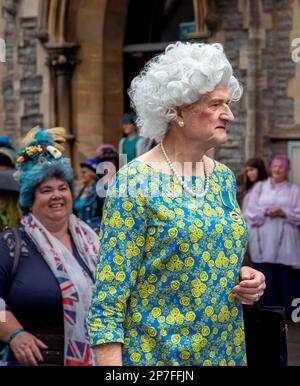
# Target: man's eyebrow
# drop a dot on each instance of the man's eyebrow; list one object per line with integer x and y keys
{"x": 214, "y": 100}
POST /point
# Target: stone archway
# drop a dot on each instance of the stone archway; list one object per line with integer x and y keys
{"x": 61, "y": 59}
{"x": 98, "y": 79}
{"x": 94, "y": 105}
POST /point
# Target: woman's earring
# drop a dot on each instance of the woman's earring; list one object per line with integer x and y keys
{"x": 181, "y": 123}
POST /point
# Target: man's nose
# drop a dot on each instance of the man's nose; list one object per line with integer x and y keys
{"x": 227, "y": 114}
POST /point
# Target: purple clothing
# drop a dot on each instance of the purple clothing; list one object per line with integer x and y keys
{"x": 246, "y": 201}
{"x": 274, "y": 240}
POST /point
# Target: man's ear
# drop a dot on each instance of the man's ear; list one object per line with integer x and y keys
{"x": 179, "y": 117}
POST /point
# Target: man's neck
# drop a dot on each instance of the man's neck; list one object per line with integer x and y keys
{"x": 183, "y": 150}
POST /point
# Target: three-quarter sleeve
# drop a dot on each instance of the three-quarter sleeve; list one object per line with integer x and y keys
{"x": 292, "y": 211}
{"x": 122, "y": 239}
{"x": 255, "y": 212}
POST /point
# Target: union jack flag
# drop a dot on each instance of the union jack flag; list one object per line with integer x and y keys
{"x": 59, "y": 264}
{"x": 69, "y": 297}
{"x": 78, "y": 354}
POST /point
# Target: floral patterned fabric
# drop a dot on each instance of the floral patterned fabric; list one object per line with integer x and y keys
{"x": 168, "y": 263}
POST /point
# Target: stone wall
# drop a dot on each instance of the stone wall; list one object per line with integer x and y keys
{"x": 30, "y": 82}
{"x": 21, "y": 86}
{"x": 274, "y": 116}
{"x": 278, "y": 65}
{"x": 234, "y": 40}
{"x": 280, "y": 69}
{"x": 9, "y": 82}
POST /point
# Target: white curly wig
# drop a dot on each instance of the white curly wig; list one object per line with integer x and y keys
{"x": 178, "y": 77}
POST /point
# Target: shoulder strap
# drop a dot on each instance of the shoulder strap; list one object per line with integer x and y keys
{"x": 16, "y": 258}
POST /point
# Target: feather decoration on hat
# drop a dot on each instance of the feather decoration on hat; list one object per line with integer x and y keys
{"x": 57, "y": 135}
{"x": 29, "y": 137}
{"x": 41, "y": 145}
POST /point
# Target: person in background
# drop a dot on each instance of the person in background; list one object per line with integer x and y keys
{"x": 273, "y": 213}
{"x": 108, "y": 153}
{"x": 109, "y": 163}
{"x": 9, "y": 211}
{"x": 87, "y": 204}
{"x": 132, "y": 144}
{"x": 170, "y": 286}
{"x": 255, "y": 170}
{"x": 48, "y": 295}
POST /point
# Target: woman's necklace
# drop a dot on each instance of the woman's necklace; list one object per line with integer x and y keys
{"x": 181, "y": 181}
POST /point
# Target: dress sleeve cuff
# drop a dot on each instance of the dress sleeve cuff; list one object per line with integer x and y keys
{"x": 106, "y": 336}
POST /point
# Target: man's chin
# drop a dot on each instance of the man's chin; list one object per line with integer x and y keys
{"x": 221, "y": 140}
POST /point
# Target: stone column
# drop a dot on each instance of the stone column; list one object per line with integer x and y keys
{"x": 254, "y": 134}
{"x": 62, "y": 60}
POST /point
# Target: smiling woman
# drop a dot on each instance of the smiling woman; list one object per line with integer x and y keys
{"x": 48, "y": 298}
{"x": 53, "y": 202}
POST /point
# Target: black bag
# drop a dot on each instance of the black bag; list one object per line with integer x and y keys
{"x": 266, "y": 339}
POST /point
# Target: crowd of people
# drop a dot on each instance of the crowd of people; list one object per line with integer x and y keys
{"x": 140, "y": 261}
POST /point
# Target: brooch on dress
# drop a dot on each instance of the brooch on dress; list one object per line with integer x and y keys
{"x": 227, "y": 200}
{"x": 235, "y": 216}
{"x": 170, "y": 194}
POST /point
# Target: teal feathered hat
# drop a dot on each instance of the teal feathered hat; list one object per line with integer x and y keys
{"x": 41, "y": 158}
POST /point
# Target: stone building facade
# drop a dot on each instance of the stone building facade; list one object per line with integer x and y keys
{"x": 69, "y": 62}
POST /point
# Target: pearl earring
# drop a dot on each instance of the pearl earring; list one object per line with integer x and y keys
{"x": 181, "y": 123}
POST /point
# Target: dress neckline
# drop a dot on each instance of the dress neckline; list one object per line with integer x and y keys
{"x": 160, "y": 172}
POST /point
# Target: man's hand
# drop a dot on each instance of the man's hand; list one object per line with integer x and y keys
{"x": 251, "y": 286}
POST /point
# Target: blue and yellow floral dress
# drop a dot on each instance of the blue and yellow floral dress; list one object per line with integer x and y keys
{"x": 167, "y": 267}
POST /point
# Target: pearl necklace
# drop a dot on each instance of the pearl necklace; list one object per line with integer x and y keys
{"x": 180, "y": 180}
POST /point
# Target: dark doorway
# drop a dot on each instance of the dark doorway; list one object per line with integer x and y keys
{"x": 150, "y": 26}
